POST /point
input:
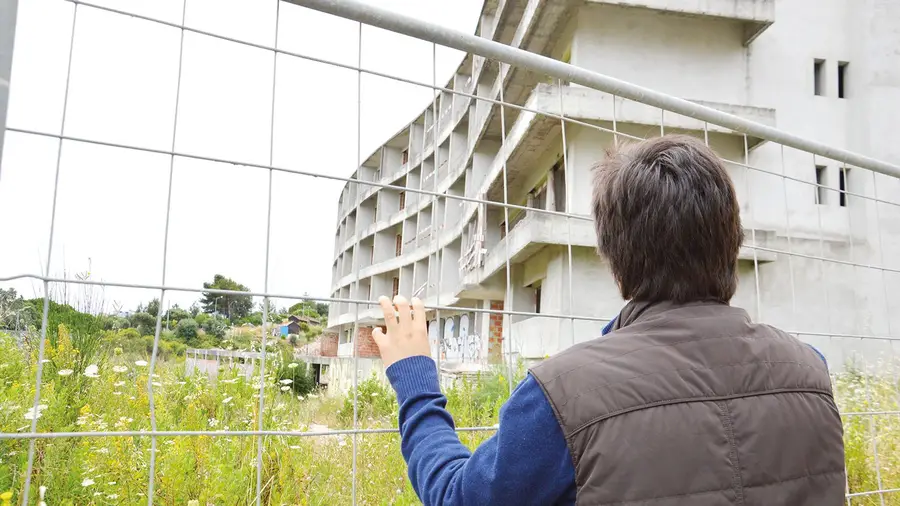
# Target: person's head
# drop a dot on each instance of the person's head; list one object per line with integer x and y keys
{"x": 668, "y": 221}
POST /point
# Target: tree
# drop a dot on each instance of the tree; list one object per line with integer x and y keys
{"x": 145, "y": 323}
{"x": 187, "y": 330}
{"x": 176, "y": 314}
{"x": 153, "y": 307}
{"x": 13, "y": 310}
{"x": 310, "y": 308}
{"x": 233, "y": 306}
{"x": 214, "y": 326}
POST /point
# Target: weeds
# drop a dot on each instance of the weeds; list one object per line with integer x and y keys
{"x": 298, "y": 469}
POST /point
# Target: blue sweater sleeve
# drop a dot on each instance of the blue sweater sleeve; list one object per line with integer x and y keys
{"x": 526, "y": 461}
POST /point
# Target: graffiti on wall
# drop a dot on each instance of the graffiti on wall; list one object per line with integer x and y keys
{"x": 458, "y": 341}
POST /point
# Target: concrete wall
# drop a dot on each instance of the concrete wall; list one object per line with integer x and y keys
{"x": 697, "y": 58}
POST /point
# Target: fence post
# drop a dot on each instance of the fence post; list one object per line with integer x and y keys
{"x": 8, "y": 10}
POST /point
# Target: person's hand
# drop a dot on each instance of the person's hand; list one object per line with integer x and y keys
{"x": 407, "y": 335}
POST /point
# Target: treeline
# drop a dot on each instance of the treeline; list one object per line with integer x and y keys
{"x": 203, "y": 325}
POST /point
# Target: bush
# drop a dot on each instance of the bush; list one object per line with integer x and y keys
{"x": 302, "y": 381}
{"x": 374, "y": 400}
{"x": 187, "y": 330}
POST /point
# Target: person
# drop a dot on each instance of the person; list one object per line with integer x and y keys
{"x": 684, "y": 400}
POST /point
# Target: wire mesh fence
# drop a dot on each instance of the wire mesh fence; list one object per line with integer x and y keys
{"x": 481, "y": 207}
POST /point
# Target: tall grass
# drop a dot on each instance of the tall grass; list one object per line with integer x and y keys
{"x": 307, "y": 470}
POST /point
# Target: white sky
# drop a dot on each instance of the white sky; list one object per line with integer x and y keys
{"x": 111, "y": 202}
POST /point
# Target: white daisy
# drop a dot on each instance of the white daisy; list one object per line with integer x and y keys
{"x": 285, "y": 388}
{"x": 227, "y": 400}
{"x": 292, "y": 365}
{"x": 65, "y": 372}
{"x": 286, "y": 381}
{"x": 91, "y": 371}
{"x": 87, "y": 482}
{"x": 140, "y": 363}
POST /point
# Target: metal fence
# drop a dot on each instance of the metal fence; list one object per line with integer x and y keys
{"x": 762, "y": 160}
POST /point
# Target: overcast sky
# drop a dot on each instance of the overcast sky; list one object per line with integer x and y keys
{"x": 110, "y": 214}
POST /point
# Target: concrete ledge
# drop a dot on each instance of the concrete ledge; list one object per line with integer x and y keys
{"x": 592, "y": 105}
{"x": 757, "y": 15}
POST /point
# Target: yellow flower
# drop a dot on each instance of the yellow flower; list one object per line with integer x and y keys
{"x": 6, "y": 497}
{"x": 85, "y": 410}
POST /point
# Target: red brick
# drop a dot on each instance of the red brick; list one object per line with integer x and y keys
{"x": 328, "y": 344}
{"x": 365, "y": 345}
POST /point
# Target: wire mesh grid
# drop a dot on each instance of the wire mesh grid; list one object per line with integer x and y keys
{"x": 797, "y": 256}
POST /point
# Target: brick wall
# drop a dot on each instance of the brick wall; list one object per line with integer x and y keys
{"x": 366, "y": 346}
{"x": 328, "y": 344}
{"x": 495, "y": 337}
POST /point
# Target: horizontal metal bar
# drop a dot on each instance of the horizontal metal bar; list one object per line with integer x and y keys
{"x": 431, "y": 32}
{"x": 873, "y": 492}
{"x": 211, "y": 433}
{"x": 871, "y": 413}
{"x": 307, "y": 297}
{"x": 365, "y": 302}
{"x": 451, "y": 91}
{"x": 393, "y": 187}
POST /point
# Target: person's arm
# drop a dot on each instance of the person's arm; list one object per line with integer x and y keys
{"x": 525, "y": 462}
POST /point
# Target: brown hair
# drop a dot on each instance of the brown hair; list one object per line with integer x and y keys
{"x": 668, "y": 221}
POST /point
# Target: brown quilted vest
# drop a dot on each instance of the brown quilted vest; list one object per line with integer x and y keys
{"x": 695, "y": 404}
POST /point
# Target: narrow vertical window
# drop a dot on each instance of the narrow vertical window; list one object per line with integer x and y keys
{"x": 842, "y": 79}
{"x": 842, "y": 186}
{"x": 819, "y": 77}
{"x": 820, "y": 184}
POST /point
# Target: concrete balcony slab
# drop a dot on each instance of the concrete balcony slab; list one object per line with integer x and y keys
{"x": 755, "y": 15}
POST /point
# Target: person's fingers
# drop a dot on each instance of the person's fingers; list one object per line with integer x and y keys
{"x": 402, "y": 311}
{"x": 418, "y": 313}
{"x": 379, "y": 337}
{"x": 390, "y": 320}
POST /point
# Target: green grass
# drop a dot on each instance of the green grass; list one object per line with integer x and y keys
{"x": 296, "y": 470}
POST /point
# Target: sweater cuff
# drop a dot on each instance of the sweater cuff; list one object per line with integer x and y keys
{"x": 413, "y": 376}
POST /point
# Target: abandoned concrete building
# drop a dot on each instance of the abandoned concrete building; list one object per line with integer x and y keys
{"x": 764, "y": 60}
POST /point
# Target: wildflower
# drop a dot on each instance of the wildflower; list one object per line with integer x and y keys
{"x": 111, "y": 483}
{"x": 300, "y": 397}
{"x": 292, "y": 365}
{"x": 286, "y": 381}
{"x": 119, "y": 384}
{"x": 227, "y": 400}
{"x": 112, "y": 496}
{"x": 285, "y": 388}
{"x": 156, "y": 384}
{"x": 342, "y": 443}
{"x": 65, "y": 372}
{"x": 374, "y": 394}
{"x": 31, "y": 415}
{"x": 117, "y": 393}
{"x": 119, "y": 368}
{"x": 313, "y": 396}
{"x": 213, "y": 422}
{"x": 45, "y": 361}
{"x": 91, "y": 371}
{"x": 87, "y": 482}
{"x": 193, "y": 502}
{"x": 140, "y": 363}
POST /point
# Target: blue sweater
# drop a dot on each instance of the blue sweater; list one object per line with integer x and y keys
{"x": 526, "y": 461}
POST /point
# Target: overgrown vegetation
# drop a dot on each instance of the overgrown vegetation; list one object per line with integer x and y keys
{"x": 95, "y": 379}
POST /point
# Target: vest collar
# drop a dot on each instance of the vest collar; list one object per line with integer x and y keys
{"x": 635, "y": 311}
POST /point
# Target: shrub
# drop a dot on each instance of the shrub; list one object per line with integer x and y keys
{"x": 374, "y": 400}
{"x": 302, "y": 381}
{"x": 187, "y": 329}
